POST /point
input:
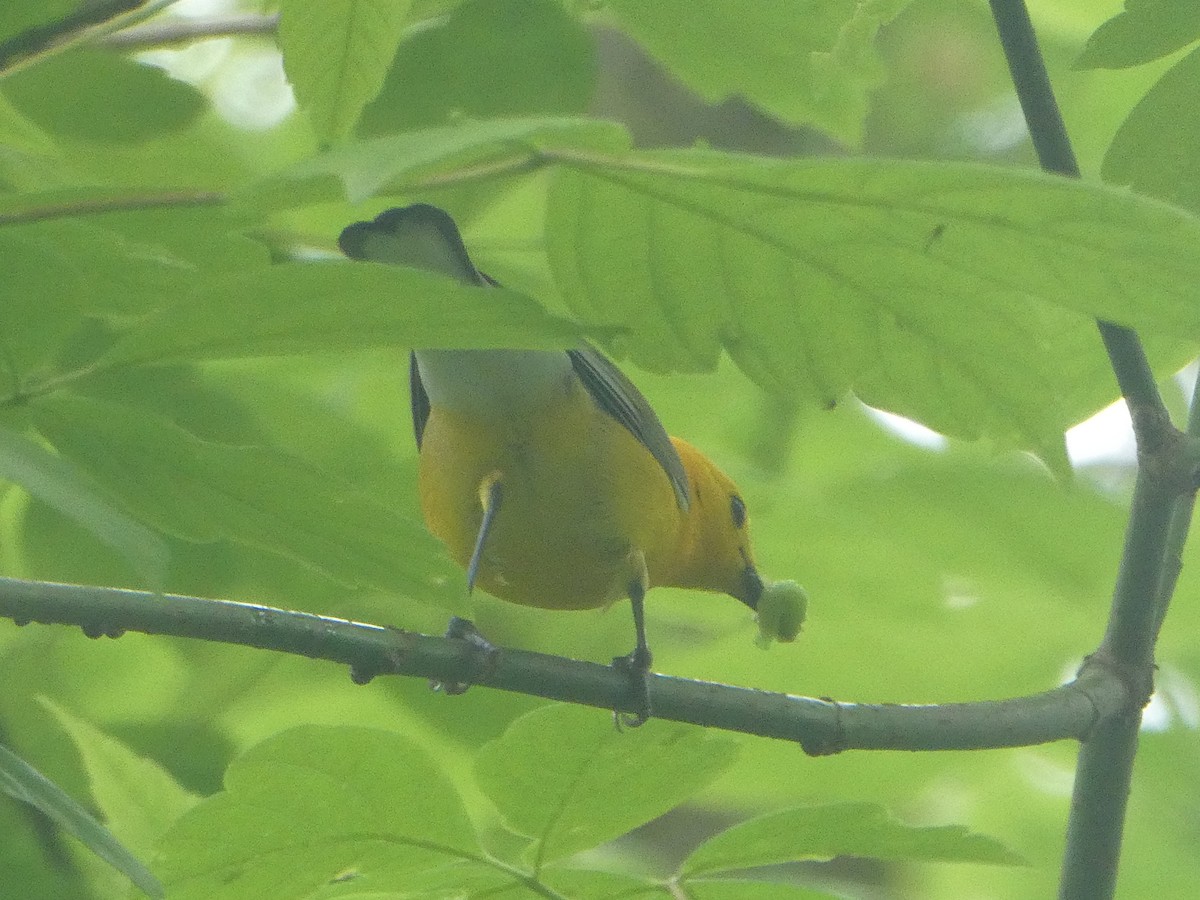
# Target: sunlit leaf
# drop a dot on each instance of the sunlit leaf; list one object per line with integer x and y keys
{"x": 564, "y": 776}
{"x": 323, "y": 809}
{"x": 946, "y": 293}
{"x": 336, "y": 54}
{"x": 323, "y": 307}
{"x": 1153, "y": 149}
{"x": 1144, "y": 31}
{"x": 839, "y": 829}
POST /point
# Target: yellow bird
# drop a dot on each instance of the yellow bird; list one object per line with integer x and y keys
{"x": 546, "y": 473}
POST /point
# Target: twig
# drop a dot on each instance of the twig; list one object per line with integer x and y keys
{"x": 166, "y": 32}
{"x": 37, "y": 208}
{"x": 819, "y": 726}
{"x": 89, "y": 20}
{"x": 1164, "y": 484}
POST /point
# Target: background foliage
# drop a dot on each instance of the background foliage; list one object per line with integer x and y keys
{"x": 195, "y": 396}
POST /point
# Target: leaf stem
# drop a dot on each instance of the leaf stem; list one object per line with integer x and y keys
{"x": 38, "y": 210}
{"x": 1074, "y": 710}
{"x": 1158, "y": 521}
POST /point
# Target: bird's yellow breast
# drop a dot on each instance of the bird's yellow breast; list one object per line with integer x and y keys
{"x": 583, "y": 501}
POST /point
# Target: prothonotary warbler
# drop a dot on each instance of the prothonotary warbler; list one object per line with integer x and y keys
{"x": 549, "y": 477}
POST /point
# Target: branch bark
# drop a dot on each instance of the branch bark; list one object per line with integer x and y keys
{"x": 1159, "y": 518}
{"x": 181, "y": 31}
{"x": 823, "y": 726}
{"x": 89, "y": 20}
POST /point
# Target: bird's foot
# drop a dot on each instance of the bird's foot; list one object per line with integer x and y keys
{"x": 483, "y": 650}
{"x": 636, "y": 666}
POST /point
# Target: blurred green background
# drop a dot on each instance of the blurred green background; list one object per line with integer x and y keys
{"x": 939, "y": 570}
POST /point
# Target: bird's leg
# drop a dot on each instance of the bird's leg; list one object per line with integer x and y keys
{"x": 491, "y": 491}
{"x": 485, "y": 651}
{"x": 637, "y": 663}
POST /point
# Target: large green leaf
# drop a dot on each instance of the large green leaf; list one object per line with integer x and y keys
{"x": 20, "y": 780}
{"x": 957, "y": 295}
{"x": 838, "y": 829}
{"x": 812, "y": 63}
{"x": 333, "y": 306}
{"x": 336, "y": 54}
{"x": 71, "y": 266}
{"x": 324, "y": 811}
{"x": 205, "y": 491}
{"x": 487, "y": 58}
{"x": 566, "y": 777}
{"x": 96, "y": 95}
{"x": 140, "y": 799}
{"x": 1145, "y": 31}
{"x": 30, "y": 158}
{"x": 59, "y": 483}
{"x": 1154, "y": 149}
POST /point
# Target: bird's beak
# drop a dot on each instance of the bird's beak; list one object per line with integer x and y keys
{"x": 751, "y": 588}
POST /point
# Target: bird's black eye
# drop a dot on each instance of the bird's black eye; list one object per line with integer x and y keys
{"x": 737, "y": 511}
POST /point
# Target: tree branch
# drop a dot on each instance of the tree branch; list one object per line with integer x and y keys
{"x": 89, "y": 20}
{"x": 1053, "y": 146}
{"x": 1074, "y": 710}
{"x": 179, "y": 31}
{"x": 1157, "y": 521}
{"x": 37, "y": 207}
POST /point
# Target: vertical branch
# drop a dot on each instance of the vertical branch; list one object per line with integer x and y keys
{"x": 1158, "y": 519}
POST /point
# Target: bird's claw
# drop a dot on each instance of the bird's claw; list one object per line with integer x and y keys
{"x": 464, "y": 630}
{"x": 636, "y": 666}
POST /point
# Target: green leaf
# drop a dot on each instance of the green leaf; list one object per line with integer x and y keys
{"x": 951, "y": 294}
{"x": 322, "y": 809}
{"x": 204, "y": 491}
{"x": 566, "y": 777}
{"x": 20, "y": 780}
{"x": 139, "y": 798}
{"x": 30, "y": 18}
{"x": 44, "y": 297}
{"x": 96, "y": 95}
{"x": 839, "y": 829}
{"x": 1145, "y": 31}
{"x": 600, "y": 885}
{"x": 80, "y": 267}
{"x": 31, "y": 160}
{"x": 741, "y": 889}
{"x": 397, "y": 163}
{"x": 336, "y": 54}
{"x": 808, "y": 63}
{"x": 488, "y": 58}
{"x": 57, "y": 482}
{"x": 823, "y": 832}
{"x": 327, "y": 307}
{"x": 19, "y": 133}
{"x": 1154, "y": 149}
